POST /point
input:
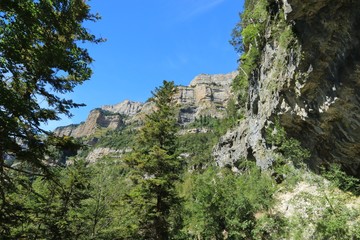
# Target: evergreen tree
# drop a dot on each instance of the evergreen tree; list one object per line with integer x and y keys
{"x": 39, "y": 60}
{"x": 51, "y": 209}
{"x": 155, "y": 168}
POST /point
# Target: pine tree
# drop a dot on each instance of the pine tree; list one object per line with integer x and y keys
{"x": 40, "y": 60}
{"x": 57, "y": 208}
{"x": 155, "y": 168}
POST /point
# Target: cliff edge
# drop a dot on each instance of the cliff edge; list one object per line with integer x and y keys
{"x": 308, "y": 78}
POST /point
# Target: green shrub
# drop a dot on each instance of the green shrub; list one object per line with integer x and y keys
{"x": 118, "y": 139}
{"x": 290, "y": 148}
{"x": 221, "y": 203}
{"x": 333, "y": 225}
{"x": 199, "y": 147}
{"x": 248, "y": 40}
{"x": 270, "y": 227}
{"x": 342, "y": 180}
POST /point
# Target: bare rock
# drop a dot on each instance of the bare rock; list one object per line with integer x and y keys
{"x": 128, "y": 108}
{"x": 312, "y": 84}
{"x": 206, "y": 95}
{"x": 96, "y": 119}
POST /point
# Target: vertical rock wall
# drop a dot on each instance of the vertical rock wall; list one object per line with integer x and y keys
{"x": 310, "y": 82}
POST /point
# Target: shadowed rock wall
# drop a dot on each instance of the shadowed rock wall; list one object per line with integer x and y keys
{"x": 311, "y": 84}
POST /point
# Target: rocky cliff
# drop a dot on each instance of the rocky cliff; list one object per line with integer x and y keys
{"x": 207, "y": 95}
{"x": 127, "y": 108}
{"x": 98, "y": 118}
{"x": 308, "y": 77}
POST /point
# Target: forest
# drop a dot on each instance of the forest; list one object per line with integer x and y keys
{"x": 168, "y": 186}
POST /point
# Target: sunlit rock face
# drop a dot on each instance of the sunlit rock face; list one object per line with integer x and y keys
{"x": 207, "y": 95}
{"x": 128, "y": 108}
{"x": 312, "y": 86}
{"x": 97, "y": 118}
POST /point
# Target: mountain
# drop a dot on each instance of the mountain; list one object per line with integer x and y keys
{"x": 307, "y": 78}
{"x": 269, "y": 152}
{"x": 301, "y": 68}
{"x": 206, "y": 95}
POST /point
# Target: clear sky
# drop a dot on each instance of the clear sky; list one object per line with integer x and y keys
{"x": 149, "y": 41}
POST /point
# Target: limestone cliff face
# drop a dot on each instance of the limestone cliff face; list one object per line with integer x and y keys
{"x": 97, "y": 118}
{"x": 312, "y": 84}
{"x": 66, "y": 130}
{"x": 206, "y": 95}
{"x": 128, "y": 108}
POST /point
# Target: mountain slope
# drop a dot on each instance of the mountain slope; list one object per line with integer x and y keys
{"x": 307, "y": 77}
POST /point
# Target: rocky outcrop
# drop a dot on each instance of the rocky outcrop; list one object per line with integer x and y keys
{"x": 312, "y": 84}
{"x": 101, "y": 152}
{"x": 127, "y": 108}
{"x": 206, "y": 95}
{"x": 68, "y": 130}
{"x": 97, "y": 119}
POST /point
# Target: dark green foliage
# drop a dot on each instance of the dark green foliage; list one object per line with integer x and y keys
{"x": 289, "y": 148}
{"x": 147, "y": 194}
{"x": 205, "y": 121}
{"x": 106, "y": 213}
{"x": 233, "y": 112}
{"x": 342, "y": 180}
{"x": 199, "y": 147}
{"x": 221, "y": 203}
{"x": 216, "y": 125}
{"x": 118, "y": 139}
{"x": 13, "y": 213}
{"x": 62, "y": 203}
{"x": 50, "y": 209}
{"x": 155, "y": 168}
{"x": 40, "y": 60}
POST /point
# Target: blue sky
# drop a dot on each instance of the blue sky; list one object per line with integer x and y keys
{"x": 151, "y": 41}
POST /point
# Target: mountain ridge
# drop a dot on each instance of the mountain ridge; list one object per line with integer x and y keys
{"x": 307, "y": 79}
{"x": 206, "y": 95}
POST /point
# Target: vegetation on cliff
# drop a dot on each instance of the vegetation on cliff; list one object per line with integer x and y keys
{"x": 163, "y": 182}
{"x": 248, "y": 40}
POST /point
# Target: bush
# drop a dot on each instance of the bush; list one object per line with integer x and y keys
{"x": 248, "y": 40}
{"x": 341, "y": 180}
{"x": 270, "y": 227}
{"x": 290, "y": 148}
{"x": 333, "y": 225}
{"x": 221, "y": 203}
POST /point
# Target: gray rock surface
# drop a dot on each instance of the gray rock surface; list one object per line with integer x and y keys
{"x": 97, "y": 118}
{"x": 206, "y": 95}
{"x": 312, "y": 85}
{"x": 128, "y": 108}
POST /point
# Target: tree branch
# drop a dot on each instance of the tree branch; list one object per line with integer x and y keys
{"x": 24, "y": 171}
